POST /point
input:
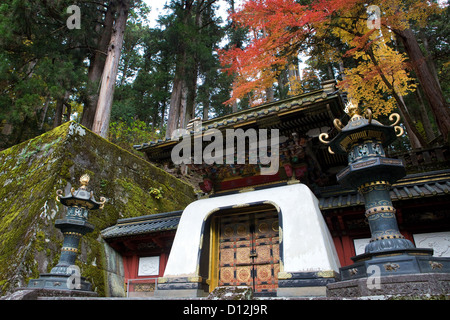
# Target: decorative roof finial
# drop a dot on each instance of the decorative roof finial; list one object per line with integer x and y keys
{"x": 352, "y": 108}
{"x": 84, "y": 180}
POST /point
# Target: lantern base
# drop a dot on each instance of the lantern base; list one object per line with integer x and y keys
{"x": 60, "y": 282}
{"x": 406, "y": 285}
{"x": 395, "y": 262}
{"x": 381, "y": 246}
{"x": 26, "y": 293}
{"x": 393, "y": 272}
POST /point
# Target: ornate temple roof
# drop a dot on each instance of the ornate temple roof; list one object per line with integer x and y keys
{"x": 317, "y": 108}
{"x": 299, "y": 121}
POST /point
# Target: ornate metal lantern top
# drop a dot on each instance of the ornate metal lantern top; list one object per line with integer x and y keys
{"x": 361, "y": 127}
{"x": 82, "y": 197}
{"x": 363, "y": 140}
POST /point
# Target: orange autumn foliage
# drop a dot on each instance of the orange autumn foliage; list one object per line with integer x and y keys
{"x": 277, "y": 28}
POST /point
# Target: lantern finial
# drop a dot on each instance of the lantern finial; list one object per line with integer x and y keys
{"x": 84, "y": 180}
{"x": 352, "y": 108}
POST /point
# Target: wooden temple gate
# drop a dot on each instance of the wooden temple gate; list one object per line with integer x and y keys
{"x": 246, "y": 251}
{"x": 249, "y": 252}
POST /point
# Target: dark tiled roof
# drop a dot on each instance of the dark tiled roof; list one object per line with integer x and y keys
{"x": 143, "y": 225}
{"x": 411, "y": 187}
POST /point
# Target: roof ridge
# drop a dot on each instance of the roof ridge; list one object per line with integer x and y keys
{"x": 149, "y": 217}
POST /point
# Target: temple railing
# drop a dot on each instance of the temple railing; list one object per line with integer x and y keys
{"x": 419, "y": 160}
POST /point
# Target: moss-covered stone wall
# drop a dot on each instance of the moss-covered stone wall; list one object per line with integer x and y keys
{"x": 30, "y": 174}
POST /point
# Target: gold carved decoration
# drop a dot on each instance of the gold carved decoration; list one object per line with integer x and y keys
{"x": 435, "y": 265}
{"x": 102, "y": 202}
{"x": 352, "y": 109}
{"x": 394, "y": 117}
{"x": 399, "y": 131}
{"x": 326, "y": 274}
{"x": 59, "y": 194}
{"x": 353, "y": 271}
{"x": 368, "y": 115}
{"x": 323, "y": 136}
{"x": 338, "y": 124}
{"x": 284, "y": 275}
{"x": 391, "y": 266}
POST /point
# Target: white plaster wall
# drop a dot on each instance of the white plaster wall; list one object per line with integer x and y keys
{"x": 360, "y": 245}
{"x": 307, "y": 243}
{"x": 438, "y": 241}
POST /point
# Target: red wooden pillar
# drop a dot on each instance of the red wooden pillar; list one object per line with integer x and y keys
{"x": 339, "y": 249}
{"x": 349, "y": 250}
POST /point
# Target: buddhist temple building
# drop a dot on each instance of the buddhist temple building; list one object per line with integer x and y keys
{"x": 286, "y": 233}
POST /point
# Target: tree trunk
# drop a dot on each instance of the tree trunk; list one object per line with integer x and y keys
{"x": 175, "y": 103}
{"x": 191, "y": 96}
{"x": 96, "y": 66}
{"x": 60, "y": 102}
{"x": 206, "y": 104}
{"x": 234, "y": 107}
{"x": 183, "y": 105}
{"x": 270, "y": 95}
{"x": 415, "y": 139}
{"x": 341, "y": 69}
{"x": 44, "y": 112}
{"x": 430, "y": 61}
{"x": 191, "y": 81}
{"x": 424, "y": 116}
{"x": 164, "y": 105}
{"x": 330, "y": 70}
{"x": 176, "y": 97}
{"x": 105, "y": 99}
{"x": 429, "y": 84}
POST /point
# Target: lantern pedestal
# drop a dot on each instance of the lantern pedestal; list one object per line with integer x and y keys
{"x": 59, "y": 282}
{"x": 389, "y": 256}
{"x": 65, "y": 278}
{"x": 404, "y": 285}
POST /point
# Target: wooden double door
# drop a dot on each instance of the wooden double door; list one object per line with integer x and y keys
{"x": 249, "y": 253}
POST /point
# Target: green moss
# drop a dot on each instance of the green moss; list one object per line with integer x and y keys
{"x": 30, "y": 174}
{"x": 40, "y": 241}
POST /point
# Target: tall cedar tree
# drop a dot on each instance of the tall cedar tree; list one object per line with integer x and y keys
{"x": 189, "y": 31}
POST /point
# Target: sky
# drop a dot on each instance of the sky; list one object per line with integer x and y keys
{"x": 156, "y": 10}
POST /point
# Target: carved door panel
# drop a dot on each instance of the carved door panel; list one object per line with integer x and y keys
{"x": 234, "y": 251}
{"x": 249, "y": 251}
{"x": 267, "y": 253}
